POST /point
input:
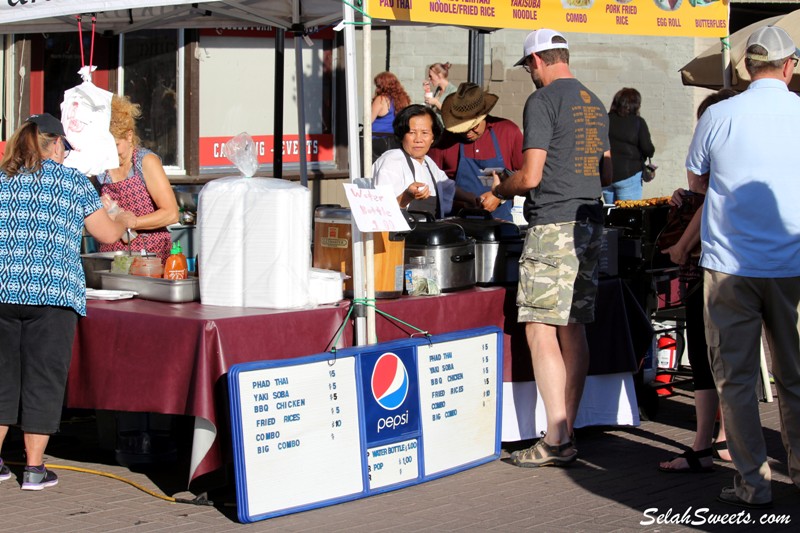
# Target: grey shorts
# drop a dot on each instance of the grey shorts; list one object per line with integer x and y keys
{"x": 558, "y": 273}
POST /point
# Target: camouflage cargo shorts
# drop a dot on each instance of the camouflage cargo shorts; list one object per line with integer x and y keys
{"x": 558, "y": 273}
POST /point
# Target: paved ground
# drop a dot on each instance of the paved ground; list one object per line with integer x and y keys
{"x": 608, "y": 489}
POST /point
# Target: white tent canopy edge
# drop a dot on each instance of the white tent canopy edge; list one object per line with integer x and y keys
{"x": 120, "y": 16}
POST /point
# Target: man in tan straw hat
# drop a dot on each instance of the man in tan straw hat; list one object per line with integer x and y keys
{"x": 565, "y": 152}
{"x": 467, "y": 154}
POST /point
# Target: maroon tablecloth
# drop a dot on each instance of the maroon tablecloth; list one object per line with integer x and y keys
{"x": 138, "y": 355}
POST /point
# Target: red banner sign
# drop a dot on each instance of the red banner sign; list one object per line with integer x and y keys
{"x": 318, "y": 148}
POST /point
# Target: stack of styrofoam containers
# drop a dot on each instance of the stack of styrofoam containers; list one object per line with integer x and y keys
{"x": 254, "y": 243}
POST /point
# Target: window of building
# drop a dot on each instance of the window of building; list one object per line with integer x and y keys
{"x": 150, "y": 74}
{"x": 237, "y": 94}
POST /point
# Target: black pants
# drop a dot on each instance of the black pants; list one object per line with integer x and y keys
{"x": 696, "y": 337}
{"x": 35, "y": 353}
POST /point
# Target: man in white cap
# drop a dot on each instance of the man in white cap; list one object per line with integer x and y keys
{"x": 565, "y": 148}
{"x": 474, "y": 144}
{"x": 743, "y": 148}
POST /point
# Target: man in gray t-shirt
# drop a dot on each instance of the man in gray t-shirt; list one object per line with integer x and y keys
{"x": 568, "y": 122}
{"x": 565, "y": 151}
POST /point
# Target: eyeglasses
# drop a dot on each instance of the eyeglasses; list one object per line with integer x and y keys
{"x": 527, "y": 64}
{"x": 66, "y": 150}
{"x": 794, "y": 61}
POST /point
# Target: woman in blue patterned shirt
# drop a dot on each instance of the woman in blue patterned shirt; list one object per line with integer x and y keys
{"x": 43, "y": 209}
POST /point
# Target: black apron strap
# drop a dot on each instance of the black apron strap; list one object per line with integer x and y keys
{"x": 424, "y": 205}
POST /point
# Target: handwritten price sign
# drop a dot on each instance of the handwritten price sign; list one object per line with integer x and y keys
{"x": 375, "y": 209}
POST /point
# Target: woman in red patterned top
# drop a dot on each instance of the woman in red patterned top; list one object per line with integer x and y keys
{"x": 139, "y": 184}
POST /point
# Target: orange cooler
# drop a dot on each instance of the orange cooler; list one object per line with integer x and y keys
{"x": 333, "y": 250}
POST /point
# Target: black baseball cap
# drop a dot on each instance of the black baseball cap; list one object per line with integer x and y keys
{"x": 47, "y": 123}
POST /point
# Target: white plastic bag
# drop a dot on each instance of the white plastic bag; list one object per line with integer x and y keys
{"x": 86, "y": 116}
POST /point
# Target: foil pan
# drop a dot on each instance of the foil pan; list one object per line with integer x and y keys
{"x": 162, "y": 290}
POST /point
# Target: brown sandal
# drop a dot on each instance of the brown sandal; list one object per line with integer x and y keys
{"x": 543, "y": 454}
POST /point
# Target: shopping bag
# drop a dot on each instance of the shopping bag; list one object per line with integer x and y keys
{"x": 86, "y": 116}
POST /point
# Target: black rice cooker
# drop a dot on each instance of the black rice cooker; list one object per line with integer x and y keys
{"x": 498, "y": 246}
{"x": 450, "y": 248}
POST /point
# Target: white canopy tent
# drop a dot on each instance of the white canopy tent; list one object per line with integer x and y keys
{"x": 123, "y": 16}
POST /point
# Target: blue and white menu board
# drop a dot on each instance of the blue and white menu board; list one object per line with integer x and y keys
{"x": 328, "y": 428}
{"x": 461, "y": 399}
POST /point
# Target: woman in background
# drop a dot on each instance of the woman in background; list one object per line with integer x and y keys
{"x": 139, "y": 185}
{"x": 630, "y": 146}
{"x": 390, "y": 98}
{"x": 437, "y": 86}
{"x": 43, "y": 211}
{"x": 706, "y": 401}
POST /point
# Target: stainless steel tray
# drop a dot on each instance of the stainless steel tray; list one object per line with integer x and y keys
{"x": 95, "y": 262}
{"x": 162, "y": 290}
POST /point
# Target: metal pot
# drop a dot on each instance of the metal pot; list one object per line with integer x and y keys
{"x": 450, "y": 248}
{"x": 498, "y": 246}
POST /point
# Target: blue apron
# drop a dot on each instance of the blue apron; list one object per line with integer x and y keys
{"x": 469, "y": 169}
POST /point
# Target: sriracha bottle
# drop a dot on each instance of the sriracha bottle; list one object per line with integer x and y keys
{"x": 175, "y": 267}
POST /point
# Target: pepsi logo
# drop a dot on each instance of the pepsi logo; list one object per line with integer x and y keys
{"x": 389, "y": 381}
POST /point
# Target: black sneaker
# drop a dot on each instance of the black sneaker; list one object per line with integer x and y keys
{"x": 5, "y": 473}
{"x": 37, "y": 478}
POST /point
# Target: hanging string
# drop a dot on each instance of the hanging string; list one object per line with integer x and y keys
{"x": 80, "y": 39}
{"x": 91, "y": 50}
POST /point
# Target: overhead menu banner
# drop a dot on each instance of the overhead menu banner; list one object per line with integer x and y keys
{"x": 686, "y": 18}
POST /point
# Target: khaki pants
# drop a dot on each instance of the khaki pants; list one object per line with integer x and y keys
{"x": 735, "y": 308}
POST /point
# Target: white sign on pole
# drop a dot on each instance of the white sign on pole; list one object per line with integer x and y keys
{"x": 375, "y": 209}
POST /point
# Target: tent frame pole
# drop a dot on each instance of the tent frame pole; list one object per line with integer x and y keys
{"x": 351, "y": 91}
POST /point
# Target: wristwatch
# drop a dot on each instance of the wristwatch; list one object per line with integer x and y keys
{"x": 498, "y": 195}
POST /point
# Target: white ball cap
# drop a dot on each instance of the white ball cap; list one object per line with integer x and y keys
{"x": 539, "y": 41}
{"x": 775, "y": 41}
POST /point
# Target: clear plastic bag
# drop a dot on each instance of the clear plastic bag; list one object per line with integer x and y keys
{"x": 113, "y": 209}
{"x": 241, "y": 151}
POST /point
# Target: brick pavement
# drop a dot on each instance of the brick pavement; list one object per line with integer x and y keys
{"x": 607, "y": 490}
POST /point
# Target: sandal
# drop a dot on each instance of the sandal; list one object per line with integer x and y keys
{"x": 543, "y": 454}
{"x": 692, "y": 460}
{"x": 718, "y": 447}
